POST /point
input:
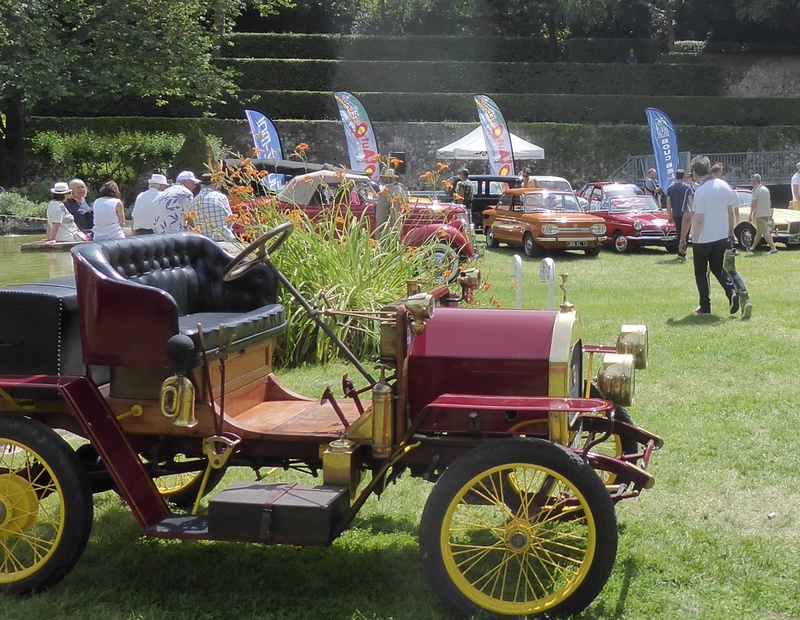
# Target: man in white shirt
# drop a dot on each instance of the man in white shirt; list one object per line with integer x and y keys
{"x": 144, "y": 209}
{"x": 796, "y": 188}
{"x": 175, "y": 203}
{"x": 712, "y": 227}
{"x": 760, "y": 212}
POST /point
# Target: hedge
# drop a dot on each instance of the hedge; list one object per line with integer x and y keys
{"x": 353, "y": 47}
{"x": 613, "y": 50}
{"x": 557, "y": 108}
{"x": 474, "y": 77}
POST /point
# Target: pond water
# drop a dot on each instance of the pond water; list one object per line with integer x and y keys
{"x": 19, "y": 267}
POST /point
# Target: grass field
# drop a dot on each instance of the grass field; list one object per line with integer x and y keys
{"x": 717, "y": 538}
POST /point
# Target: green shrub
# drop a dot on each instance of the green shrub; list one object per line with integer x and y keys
{"x": 12, "y": 203}
{"x": 125, "y": 156}
{"x": 338, "y": 264}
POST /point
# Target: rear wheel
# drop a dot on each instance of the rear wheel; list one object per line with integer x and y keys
{"x": 180, "y": 489}
{"x": 491, "y": 242}
{"x": 545, "y": 544}
{"x": 45, "y": 506}
{"x": 529, "y": 245}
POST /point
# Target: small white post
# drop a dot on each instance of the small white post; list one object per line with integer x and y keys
{"x": 547, "y": 273}
{"x": 516, "y": 273}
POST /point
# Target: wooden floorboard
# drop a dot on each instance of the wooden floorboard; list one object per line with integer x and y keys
{"x": 296, "y": 418}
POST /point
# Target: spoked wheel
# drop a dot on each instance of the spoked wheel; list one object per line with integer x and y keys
{"x": 45, "y": 506}
{"x": 446, "y": 259}
{"x": 518, "y": 528}
{"x": 180, "y": 489}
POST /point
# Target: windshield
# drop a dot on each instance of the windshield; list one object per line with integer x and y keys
{"x": 624, "y": 204}
{"x": 561, "y": 185}
{"x": 612, "y": 191}
{"x": 545, "y": 201}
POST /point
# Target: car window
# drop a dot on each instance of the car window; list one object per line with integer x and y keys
{"x": 745, "y": 198}
{"x": 612, "y": 191}
{"x": 505, "y": 202}
{"x": 496, "y": 187}
{"x": 641, "y": 204}
{"x": 564, "y": 186}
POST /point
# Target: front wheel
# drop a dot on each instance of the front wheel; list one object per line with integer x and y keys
{"x": 592, "y": 251}
{"x": 45, "y": 506}
{"x": 620, "y": 243}
{"x": 518, "y": 528}
{"x": 446, "y": 260}
{"x": 529, "y": 245}
{"x": 491, "y": 242}
{"x": 745, "y": 233}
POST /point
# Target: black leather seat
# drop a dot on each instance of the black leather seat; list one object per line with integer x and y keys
{"x": 135, "y": 293}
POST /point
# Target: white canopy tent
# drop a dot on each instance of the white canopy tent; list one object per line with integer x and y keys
{"x": 473, "y": 146}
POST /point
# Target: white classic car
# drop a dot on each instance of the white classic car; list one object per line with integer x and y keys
{"x": 784, "y": 224}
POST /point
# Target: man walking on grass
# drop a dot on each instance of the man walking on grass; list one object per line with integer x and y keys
{"x": 712, "y": 227}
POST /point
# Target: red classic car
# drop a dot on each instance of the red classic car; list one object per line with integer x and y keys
{"x": 632, "y": 218}
{"x": 536, "y": 218}
{"x": 422, "y": 220}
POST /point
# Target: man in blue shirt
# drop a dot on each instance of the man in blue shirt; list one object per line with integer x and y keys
{"x": 679, "y": 200}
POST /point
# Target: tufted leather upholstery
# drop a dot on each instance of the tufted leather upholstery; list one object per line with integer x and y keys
{"x": 135, "y": 293}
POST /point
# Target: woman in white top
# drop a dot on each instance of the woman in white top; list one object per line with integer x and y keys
{"x": 60, "y": 222}
{"x": 109, "y": 215}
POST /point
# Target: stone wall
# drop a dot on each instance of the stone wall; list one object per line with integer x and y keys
{"x": 763, "y": 77}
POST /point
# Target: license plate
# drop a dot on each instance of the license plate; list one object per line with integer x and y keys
{"x": 577, "y": 244}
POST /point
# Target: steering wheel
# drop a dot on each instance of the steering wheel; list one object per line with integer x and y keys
{"x": 242, "y": 262}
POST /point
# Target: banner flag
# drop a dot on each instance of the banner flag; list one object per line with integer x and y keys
{"x": 496, "y": 136}
{"x": 267, "y": 145}
{"x": 665, "y": 146}
{"x": 361, "y": 143}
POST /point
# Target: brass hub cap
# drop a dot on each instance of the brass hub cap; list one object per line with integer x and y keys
{"x": 518, "y": 538}
{"x": 18, "y": 505}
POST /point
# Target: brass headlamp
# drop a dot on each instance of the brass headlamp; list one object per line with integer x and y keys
{"x": 615, "y": 378}
{"x": 421, "y": 307}
{"x": 633, "y": 339}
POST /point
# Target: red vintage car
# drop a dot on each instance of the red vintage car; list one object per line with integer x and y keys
{"x": 155, "y": 361}
{"x": 447, "y": 224}
{"x": 632, "y": 218}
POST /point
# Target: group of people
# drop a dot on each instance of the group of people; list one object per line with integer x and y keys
{"x": 162, "y": 208}
{"x": 705, "y": 205}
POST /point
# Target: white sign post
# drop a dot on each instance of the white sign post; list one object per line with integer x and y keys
{"x": 516, "y": 273}
{"x": 547, "y": 273}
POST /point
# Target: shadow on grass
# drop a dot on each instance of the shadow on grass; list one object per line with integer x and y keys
{"x": 694, "y": 319}
{"x": 363, "y": 574}
{"x": 615, "y": 609}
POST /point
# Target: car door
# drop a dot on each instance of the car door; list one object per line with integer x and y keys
{"x": 503, "y": 222}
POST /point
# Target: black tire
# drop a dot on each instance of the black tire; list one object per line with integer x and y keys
{"x": 45, "y": 506}
{"x": 531, "y": 248}
{"x": 491, "y": 242}
{"x": 470, "y": 527}
{"x": 592, "y": 251}
{"x": 745, "y": 233}
{"x": 619, "y": 243}
{"x": 671, "y": 247}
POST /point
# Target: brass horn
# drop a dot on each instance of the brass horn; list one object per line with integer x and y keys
{"x": 177, "y": 391}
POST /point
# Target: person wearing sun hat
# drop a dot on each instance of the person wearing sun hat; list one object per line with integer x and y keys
{"x": 175, "y": 203}
{"x": 60, "y": 222}
{"x": 144, "y": 209}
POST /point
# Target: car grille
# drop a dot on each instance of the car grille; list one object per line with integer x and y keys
{"x": 657, "y": 234}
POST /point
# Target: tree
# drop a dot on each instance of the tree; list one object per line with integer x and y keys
{"x": 107, "y": 49}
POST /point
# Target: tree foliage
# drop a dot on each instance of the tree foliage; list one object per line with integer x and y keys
{"x": 107, "y": 49}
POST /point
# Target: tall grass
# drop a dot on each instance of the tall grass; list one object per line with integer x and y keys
{"x": 717, "y": 538}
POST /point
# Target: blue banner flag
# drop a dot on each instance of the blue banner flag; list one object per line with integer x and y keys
{"x": 361, "y": 143}
{"x": 266, "y": 145}
{"x": 496, "y": 136}
{"x": 665, "y": 146}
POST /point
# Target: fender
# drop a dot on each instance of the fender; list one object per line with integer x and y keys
{"x": 440, "y": 232}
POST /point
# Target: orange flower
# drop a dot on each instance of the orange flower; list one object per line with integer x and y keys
{"x": 457, "y": 197}
{"x": 302, "y": 147}
{"x": 442, "y": 233}
{"x": 256, "y": 151}
{"x": 427, "y": 175}
{"x": 495, "y": 302}
{"x": 447, "y": 185}
{"x": 394, "y": 162}
{"x": 514, "y": 285}
{"x": 487, "y": 285}
{"x": 384, "y": 190}
{"x": 442, "y": 166}
{"x": 373, "y": 158}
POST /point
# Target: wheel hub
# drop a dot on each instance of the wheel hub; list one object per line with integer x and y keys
{"x": 19, "y": 504}
{"x": 518, "y": 538}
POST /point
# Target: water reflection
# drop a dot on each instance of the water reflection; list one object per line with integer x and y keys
{"x": 20, "y": 267}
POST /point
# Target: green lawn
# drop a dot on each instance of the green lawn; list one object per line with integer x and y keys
{"x": 716, "y": 538}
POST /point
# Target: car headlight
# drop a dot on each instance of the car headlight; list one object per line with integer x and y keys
{"x": 598, "y": 229}
{"x": 615, "y": 378}
{"x": 637, "y": 225}
{"x": 550, "y": 229}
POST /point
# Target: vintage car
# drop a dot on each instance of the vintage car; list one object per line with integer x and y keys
{"x": 423, "y": 220}
{"x": 538, "y": 219}
{"x": 596, "y": 191}
{"x": 784, "y": 223}
{"x": 633, "y": 221}
{"x": 155, "y": 360}
{"x": 486, "y": 191}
